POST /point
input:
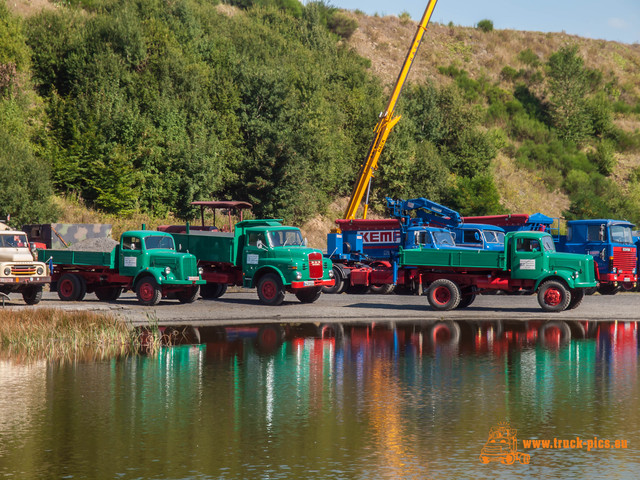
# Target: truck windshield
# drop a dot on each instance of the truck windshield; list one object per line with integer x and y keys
{"x": 153, "y": 242}
{"x": 621, "y": 234}
{"x": 15, "y": 241}
{"x": 548, "y": 244}
{"x": 285, "y": 238}
{"x": 494, "y": 237}
{"x": 444, "y": 238}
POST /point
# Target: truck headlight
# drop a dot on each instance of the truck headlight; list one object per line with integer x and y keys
{"x": 167, "y": 270}
{"x": 331, "y": 273}
{"x": 615, "y": 270}
{"x": 200, "y": 270}
{"x": 298, "y": 276}
{"x": 7, "y": 270}
{"x": 40, "y": 271}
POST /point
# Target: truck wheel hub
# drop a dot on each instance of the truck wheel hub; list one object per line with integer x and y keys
{"x": 442, "y": 295}
{"x": 552, "y": 297}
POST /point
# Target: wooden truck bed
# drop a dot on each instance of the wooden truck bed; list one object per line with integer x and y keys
{"x": 207, "y": 246}
{"x": 430, "y": 257}
{"x": 71, "y": 257}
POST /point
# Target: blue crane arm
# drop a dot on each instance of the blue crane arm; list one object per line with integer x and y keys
{"x": 426, "y": 213}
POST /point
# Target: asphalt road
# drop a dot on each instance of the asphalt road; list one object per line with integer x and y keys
{"x": 244, "y": 306}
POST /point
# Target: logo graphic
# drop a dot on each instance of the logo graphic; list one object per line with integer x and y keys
{"x": 502, "y": 446}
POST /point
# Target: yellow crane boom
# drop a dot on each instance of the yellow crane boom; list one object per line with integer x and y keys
{"x": 385, "y": 123}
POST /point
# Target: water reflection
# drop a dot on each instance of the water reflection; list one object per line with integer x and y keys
{"x": 375, "y": 400}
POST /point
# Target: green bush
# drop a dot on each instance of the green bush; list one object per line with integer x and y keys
{"x": 509, "y": 74}
{"x": 529, "y": 57}
{"x": 485, "y": 25}
{"x": 603, "y": 157}
{"x": 342, "y": 25}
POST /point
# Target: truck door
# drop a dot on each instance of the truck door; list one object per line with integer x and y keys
{"x": 254, "y": 249}
{"x": 130, "y": 255}
{"x": 596, "y": 246}
{"x": 527, "y": 262}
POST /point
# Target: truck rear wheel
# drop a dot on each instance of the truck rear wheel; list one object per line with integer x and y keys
{"x": 443, "y": 294}
{"x": 211, "y": 291}
{"x": 608, "y": 289}
{"x": 384, "y": 289}
{"x": 108, "y": 294}
{"x": 148, "y": 291}
{"x": 32, "y": 294}
{"x": 188, "y": 295}
{"x": 553, "y": 296}
{"x": 309, "y": 295}
{"x": 270, "y": 290}
{"x": 70, "y": 288}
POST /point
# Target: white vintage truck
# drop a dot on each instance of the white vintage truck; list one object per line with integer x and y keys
{"x": 19, "y": 272}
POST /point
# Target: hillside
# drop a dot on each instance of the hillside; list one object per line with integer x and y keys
{"x": 385, "y": 40}
{"x": 196, "y": 101}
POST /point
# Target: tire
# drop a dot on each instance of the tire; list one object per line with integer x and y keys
{"x": 443, "y": 294}
{"x": 309, "y": 295}
{"x": 108, "y": 294}
{"x": 382, "y": 289}
{"x": 608, "y": 289}
{"x": 553, "y": 296}
{"x": 83, "y": 288}
{"x": 270, "y": 290}
{"x": 148, "y": 291}
{"x": 590, "y": 290}
{"x": 32, "y": 294}
{"x": 188, "y": 295}
{"x": 69, "y": 287}
{"x": 577, "y": 294}
{"x": 269, "y": 338}
{"x": 466, "y": 299}
{"x": 211, "y": 291}
{"x": 339, "y": 284}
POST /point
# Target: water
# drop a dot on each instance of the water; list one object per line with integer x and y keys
{"x": 365, "y": 402}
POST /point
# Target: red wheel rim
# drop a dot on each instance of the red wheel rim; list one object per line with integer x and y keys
{"x": 269, "y": 290}
{"x": 442, "y": 295}
{"x": 146, "y": 291}
{"x": 552, "y": 297}
{"x": 66, "y": 288}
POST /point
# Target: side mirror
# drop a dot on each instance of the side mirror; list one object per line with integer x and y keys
{"x": 601, "y": 234}
{"x": 260, "y": 245}
{"x": 305, "y": 242}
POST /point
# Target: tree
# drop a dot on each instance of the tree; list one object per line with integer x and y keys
{"x": 568, "y": 85}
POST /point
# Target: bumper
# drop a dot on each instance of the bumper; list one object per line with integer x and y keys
{"x": 170, "y": 283}
{"x": 618, "y": 277}
{"x": 314, "y": 283}
{"x": 24, "y": 280}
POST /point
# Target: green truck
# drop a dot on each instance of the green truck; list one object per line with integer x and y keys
{"x": 144, "y": 261}
{"x": 528, "y": 264}
{"x": 262, "y": 254}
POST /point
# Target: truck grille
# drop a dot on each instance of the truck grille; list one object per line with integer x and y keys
{"x": 23, "y": 270}
{"x": 315, "y": 265}
{"x": 190, "y": 267}
{"x": 624, "y": 258}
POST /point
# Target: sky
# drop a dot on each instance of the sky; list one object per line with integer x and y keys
{"x": 617, "y": 20}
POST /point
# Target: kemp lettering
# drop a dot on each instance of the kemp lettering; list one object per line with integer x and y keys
{"x": 380, "y": 236}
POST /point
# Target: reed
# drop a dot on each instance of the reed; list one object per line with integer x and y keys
{"x": 60, "y": 335}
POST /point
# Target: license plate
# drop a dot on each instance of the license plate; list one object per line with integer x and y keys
{"x": 193, "y": 279}
{"x": 627, "y": 279}
{"x": 308, "y": 283}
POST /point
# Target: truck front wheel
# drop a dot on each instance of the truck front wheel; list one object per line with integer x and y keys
{"x": 270, "y": 290}
{"x": 148, "y": 291}
{"x": 70, "y": 288}
{"x": 32, "y": 294}
{"x": 309, "y": 295}
{"x": 553, "y": 296}
{"x": 443, "y": 294}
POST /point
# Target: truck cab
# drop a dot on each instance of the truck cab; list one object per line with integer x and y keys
{"x": 483, "y": 237}
{"x": 19, "y": 272}
{"x": 268, "y": 246}
{"x": 611, "y": 244}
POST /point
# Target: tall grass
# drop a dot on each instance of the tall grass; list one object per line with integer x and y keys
{"x": 60, "y": 335}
